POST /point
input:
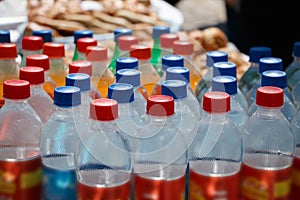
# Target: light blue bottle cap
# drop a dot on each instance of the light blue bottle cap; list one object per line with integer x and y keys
{"x": 178, "y": 73}
{"x": 121, "y": 32}
{"x": 131, "y": 76}
{"x": 127, "y": 63}
{"x": 80, "y": 80}
{"x": 159, "y": 30}
{"x": 296, "y": 49}
{"x": 224, "y": 69}
{"x": 270, "y": 63}
{"x": 121, "y": 92}
{"x": 215, "y": 56}
{"x": 82, "y": 34}
{"x": 172, "y": 60}
{"x": 5, "y": 36}
{"x": 67, "y": 96}
{"x": 226, "y": 84}
{"x": 275, "y": 78}
{"x": 258, "y": 52}
{"x": 45, "y": 34}
{"x": 174, "y": 88}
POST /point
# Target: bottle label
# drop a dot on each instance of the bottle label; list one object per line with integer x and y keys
{"x": 59, "y": 184}
{"x": 21, "y": 179}
{"x": 150, "y": 189}
{"x": 121, "y": 192}
{"x": 295, "y": 188}
{"x": 265, "y": 184}
{"x": 203, "y": 187}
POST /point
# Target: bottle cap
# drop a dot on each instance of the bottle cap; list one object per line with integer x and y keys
{"x": 226, "y": 84}
{"x": 127, "y": 63}
{"x": 160, "y": 105}
{"x": 32, "y": 43}
{"x": 269, "y": 96}
{"x": 172, "y": 60}
{"x": 103, "y": 109}
{"x": 121, "y": 92}
{"x": 34, "y": 75}
{"x": 157, "y": 31}
{"x": 270, "y": 63}
{"x": 80, "y": 66}
{"x": 5, "y": 36}
{"x": 215, "y": 56}
{"x": 80, "y": 80}
{"x": 96, "y": 53}
{"x": 174, "y": 88}
{"x": 275, "y": 78}
{"x": 167, "y": 40}
{"x": 83, "y": 43}
{"x": 8, "y": 51}
{"x": 121, "y": 32}
{"x": 39, "y": 60}
{"x": 296, "y": 49}
{"x": 82, "y": 34}
{"x": 131, "y": 76}
{"x": 224, "y": 69}
{"x": 67, "y": 96}
{"x": 258, "y": 52}
{"x": 183, "y": 47}
{"x": 45, "y": 34}
{"x": 178, "y": 73}
{"x": 16, "y": 89}
{"x": 54, "y": 50}
{"x": 140, "y": 51}
{"x": 216, "y": 102}
{"x": 126, "y": 41}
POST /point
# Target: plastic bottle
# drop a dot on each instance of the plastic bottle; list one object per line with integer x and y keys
{"x": 268, "y": 149}
{"x": 77, "y": 35}
{"x": 293, "y": 69}
{"x": 237, "y": 114}
{"x": 5, "y": 36}
{"x": 39, "y": 100}
{"x": 252, "y": 74}
{"x": 30, "y": 45}
{"x": 103, "y": 165}
{"x": 44, "y": 33}
{"x": 59, "y": 140}
{"x": 296, "y": 95}
{"x": 124, "y": 43}
{"x": 82, "y": 44}
{"x": 20, "y": 160}
{"x": 215, "y": 156}
{"x": 166, "y": 43}
{"x": 160, "y": 161}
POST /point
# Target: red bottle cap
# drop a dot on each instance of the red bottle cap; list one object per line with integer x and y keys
{"x": 16, "y": 89}
{"x": 216, "y": 102}
{"x": 39, "y": 60}
{"x": 269, "y": 96}
{"x": 126, "y": 41}
{"x": 167, "y": 40}
{"x": 54, "y": 50}
{"x": 96, "y": 53}
{"x": 160, "y": 105}
{"x": 32, "y": 43}
{"x": 83, "y": 43}
{"x": 34, "y": 75}
{"x": 181, "y": 47}
{"x": 80, "y": 66}
{"x": 104, "y": 109}
{"x": 140, "y": 51}
{"x": 8, "y": 51}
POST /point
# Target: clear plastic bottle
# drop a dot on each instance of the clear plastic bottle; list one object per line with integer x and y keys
{"x": 160, "y": 161}
{"x": 31, "y": 45}
{"x": 20, "y": 160}
{"x": 46, "y": 34}
{"x": 252, "y": 74}
{"x": 166, "y": 43}
{"x": 124, "y": 43}
{"x": 77, "y": 35}
{"x": 39, "y": 100}
{"x": 215, "y": 156}
{"x": 268, "y": 149}
{"x": 103, "y": 164}
{"x": 5, "y": 36}
{"x": 237, "y": 114}
{"x": 293, "y": 69}
{"x": 296, "y": 95}
{"x": 82, "y": 44}
{"x": 59, "y": 140}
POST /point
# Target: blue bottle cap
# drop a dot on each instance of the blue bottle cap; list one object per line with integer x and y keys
{"x": 296, "y": 49}
{"x": 127, "y": 63}
{"x": 121, "y": 32}
{"x": 121, "y": 92}
{"x": 172, "y": 60}
{"x": 270, "y": 63}
{"x": 215, "y": 56}
{"x": 5, "y": 36}
{"x": 130, "y": 76}
{"x": 80, "y": 80}
{"x": 159, "y": 30}
{"x": 275, "y": 78}
{"x": 82, "y": 34}
{"x": 174, "y": 88}
{"x": 45, "y": 34}
{"x": 226, "y": 84}
{"x": 178, "y": 73}
{"x": 258, "y": 52}
{"x": 224, "y": 69}
{"x": 67, "y": 96}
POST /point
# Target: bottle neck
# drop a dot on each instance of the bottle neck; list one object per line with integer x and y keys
{"x": 98, "y": 68}
{"x": 57, "y": 64}
{"x": 9, "y": 66}
{"x": 81, "y": 56}
{"x": 156, "y": 43}
{"x": 254, "y": 66}
{"x": 296, "y": 59}
{"x": 268, "y": 112}
{"x": 30, "y": 52}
